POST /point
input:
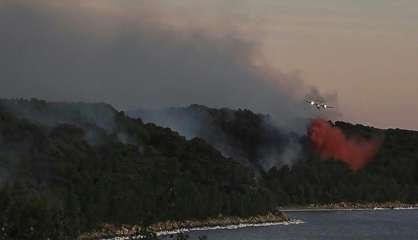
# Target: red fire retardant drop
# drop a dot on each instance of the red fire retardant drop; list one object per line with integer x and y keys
{"x": 330, "y": 142}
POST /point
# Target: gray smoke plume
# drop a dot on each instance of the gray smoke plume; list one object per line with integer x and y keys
{"x": 100, "y": 51}
{"x": 289, "y": 155}
{"x": 66, "y": 52}
{"x": 250, "y": 138}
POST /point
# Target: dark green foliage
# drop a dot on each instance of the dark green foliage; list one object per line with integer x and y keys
{"x": 59, "y": 183}
{"x": 67, "y": 168}
{"x": 241, "y": 134}
{"x": 392, "y": 176}
{"x": 246, "y": 135}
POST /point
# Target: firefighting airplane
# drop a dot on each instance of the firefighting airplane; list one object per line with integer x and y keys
{"x": 320, "y": 106}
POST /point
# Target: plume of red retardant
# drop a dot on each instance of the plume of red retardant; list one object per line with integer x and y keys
{"x": 330, "y": 142}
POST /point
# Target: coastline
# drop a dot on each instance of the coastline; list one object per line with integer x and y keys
{"x": 230, "y": 227}
{"x": 347, "y": 206}
{"x": 112, "y": 232}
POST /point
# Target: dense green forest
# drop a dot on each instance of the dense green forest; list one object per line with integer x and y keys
{"x": 64, "y": 172}
{"x": 393, "y": 175}
{"x": 66, "y": 168}
{"x": 252, "y": 139}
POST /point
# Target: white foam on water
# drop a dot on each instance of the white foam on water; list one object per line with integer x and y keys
{"x": 345, "y": 209}
{"x": 228, "y": 227}
{"x": 406, "y": 208}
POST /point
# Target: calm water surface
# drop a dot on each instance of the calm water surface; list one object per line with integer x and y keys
{"x": 373, "y": 225}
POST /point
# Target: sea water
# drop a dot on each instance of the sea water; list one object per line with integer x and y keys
{"x": 399, "y": 224}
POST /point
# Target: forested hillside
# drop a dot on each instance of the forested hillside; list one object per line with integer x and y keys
{"x": 392, "y": 175}
{"x": 250, "y": 138}
{"x": 66, "y": 168}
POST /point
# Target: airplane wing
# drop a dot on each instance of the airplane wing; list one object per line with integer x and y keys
{"x": 326, "y": 106}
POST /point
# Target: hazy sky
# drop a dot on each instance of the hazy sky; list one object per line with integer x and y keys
{"x": 365, "y": 50}
{"x": 127, "y": 51}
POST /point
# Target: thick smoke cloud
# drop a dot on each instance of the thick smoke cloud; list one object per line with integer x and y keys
{"x": 100, "y": 51}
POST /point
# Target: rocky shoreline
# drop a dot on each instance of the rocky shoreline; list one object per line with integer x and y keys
{"x": 108, "y": 231}
{"x": 350, "y": 205}
{"x": 112, "y": 231}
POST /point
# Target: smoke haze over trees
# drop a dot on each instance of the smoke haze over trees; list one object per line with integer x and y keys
{"x": 56, "y": 183}
{"x": 67, "y": 170}
{"x": 68, "y": 167}
{"x": 253, "y": 139}
{"x": 103, "y": 52}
